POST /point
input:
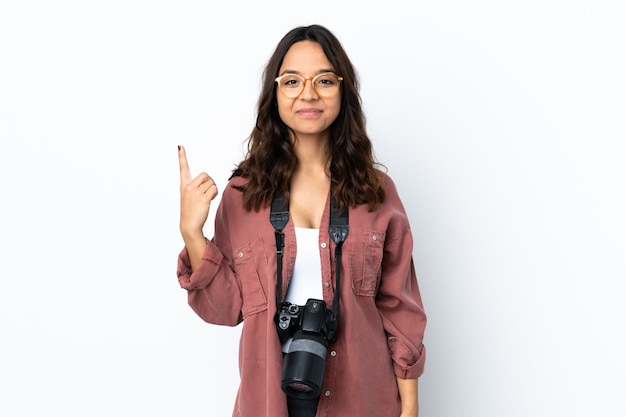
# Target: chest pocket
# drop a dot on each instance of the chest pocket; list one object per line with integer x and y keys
{"x": 251, "y": 269}
{"x": 366, "y": 257}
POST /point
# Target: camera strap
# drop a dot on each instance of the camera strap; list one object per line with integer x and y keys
{"x": 279, "y": 216}
{"x": 338, "y": 230}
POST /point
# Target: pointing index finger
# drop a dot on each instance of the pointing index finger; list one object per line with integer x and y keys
{"x": 185, "y": 172}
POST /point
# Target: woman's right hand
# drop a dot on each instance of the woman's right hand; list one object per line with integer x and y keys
{"x": 196, "y": 195}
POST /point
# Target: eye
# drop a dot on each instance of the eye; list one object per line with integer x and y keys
{"x": 290, "y": 81}
{"x": 327, "y": 80}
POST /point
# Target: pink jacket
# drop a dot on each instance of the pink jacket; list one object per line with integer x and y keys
{"x": 382, "y": 319}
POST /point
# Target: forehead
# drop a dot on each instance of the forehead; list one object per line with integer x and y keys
{"x": 305, "y": 56}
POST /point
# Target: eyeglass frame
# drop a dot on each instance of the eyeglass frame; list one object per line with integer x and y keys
{"x": 304, "y": 80}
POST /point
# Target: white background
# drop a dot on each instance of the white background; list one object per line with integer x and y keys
{"x": 502, "y": 123}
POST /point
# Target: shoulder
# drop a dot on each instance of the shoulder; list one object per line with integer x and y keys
{"x": 388, "y": 184}
{"x": 232, "y": 192}
{"x": 231, "y": 200}
{"x": 392, "y": 208}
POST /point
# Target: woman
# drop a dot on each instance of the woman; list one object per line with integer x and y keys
{"x": 310, "y": 146}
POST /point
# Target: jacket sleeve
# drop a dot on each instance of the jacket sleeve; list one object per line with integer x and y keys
{"x": 398, "y": 299}
{"x": 214, "y": 292}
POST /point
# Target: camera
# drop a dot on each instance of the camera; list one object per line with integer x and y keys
{"x": 312, "y": 327}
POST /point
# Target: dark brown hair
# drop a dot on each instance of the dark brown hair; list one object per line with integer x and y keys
{"x": 271, "y": 161}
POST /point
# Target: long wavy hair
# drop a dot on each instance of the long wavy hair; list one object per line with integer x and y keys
{"x": 271, "y": 160}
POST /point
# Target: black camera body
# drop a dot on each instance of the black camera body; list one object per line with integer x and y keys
{"x": 312, "y": 328}
{"x": 312, "y": 317}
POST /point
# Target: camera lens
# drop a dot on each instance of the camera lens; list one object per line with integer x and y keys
{"x": 303, "y": 371}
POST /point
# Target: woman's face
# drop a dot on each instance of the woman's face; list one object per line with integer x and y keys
{"x": 308, "y": 115}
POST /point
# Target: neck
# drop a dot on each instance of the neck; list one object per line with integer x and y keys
{"x": 311, "y": 153}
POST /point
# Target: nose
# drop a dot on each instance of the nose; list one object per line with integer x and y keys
{"x": 308, "y": 91}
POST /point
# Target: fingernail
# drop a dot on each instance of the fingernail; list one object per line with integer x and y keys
{"x": 179, "y": 147}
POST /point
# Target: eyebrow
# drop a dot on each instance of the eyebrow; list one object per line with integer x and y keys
{"x": 321, "y": 71}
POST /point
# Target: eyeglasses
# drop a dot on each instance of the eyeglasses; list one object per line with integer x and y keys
{"x": 325, "y": 85}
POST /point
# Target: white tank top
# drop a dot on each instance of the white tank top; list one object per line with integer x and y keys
{"x": 306, "y": 281}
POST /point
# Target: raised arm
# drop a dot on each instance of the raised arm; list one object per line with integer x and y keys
{"x": 196, "y": 195}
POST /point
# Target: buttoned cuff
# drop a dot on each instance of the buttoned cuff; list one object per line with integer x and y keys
{"x": 407, "y": 363}
{"x": 204, "y": 273}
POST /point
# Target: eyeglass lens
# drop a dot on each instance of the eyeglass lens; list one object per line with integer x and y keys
{"x": 292, "y": 85}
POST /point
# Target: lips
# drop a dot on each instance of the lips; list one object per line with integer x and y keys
{"x": 309, "y": 112}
